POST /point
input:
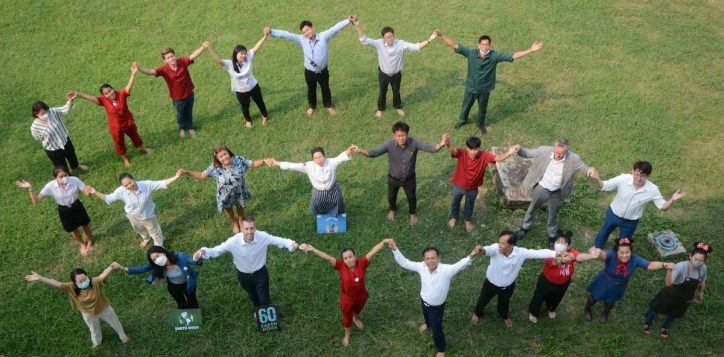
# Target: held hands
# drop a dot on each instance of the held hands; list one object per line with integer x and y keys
{"x": 593, "y": 173}
{"x": 23, "y": 184}
{"x": 438, "y": 32}
{"x": 179, "y": 172}
{"x": 445, "y": 140}
{"x": 391, "y": 244}
{"x": 206, "y": 45}
{"x": 678, "y": 195}
{"x": 295, "y": 245}
{"x": 353, "y": 149}
{"x": 353, "y": 18}
{"x": 433, "y": 35}
{"x": 476, "y": 251}
{"x": 71, "y": 96}
{"x": 134, "y": 67}
{"x": 116, "y": 266}
{"x": 199, "y": 253}
{"x": 595, "y": 252}
{"x": 271, "y": 162}
{"x": 88, "y": 190}
{"x": 668, "y": 265}
{"x": 513, "y": 149}
{"x": 266, "y": 31}
{"x": 304, "y": 247}
{"x": 537, "y": 45}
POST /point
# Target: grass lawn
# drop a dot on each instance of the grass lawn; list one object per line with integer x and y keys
{"x": 623, "y": 80}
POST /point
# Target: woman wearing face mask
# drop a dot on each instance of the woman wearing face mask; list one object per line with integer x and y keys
{"x": 243, "y": 82}
{"x": 53, "y": 135}
{"x": 611, "y": 282}
{"x": 326, "y": 194}
{"x": 176, "y": 269}
{"x": 556, "y": 276}
{"x": 139, "y": 206}
{"x": 64, "y": 191}
{"x": 228, "y": 171}
{"x": 86, "y": 295}
{"x": 352, "y": 290}
{"x": 684, "y": 283}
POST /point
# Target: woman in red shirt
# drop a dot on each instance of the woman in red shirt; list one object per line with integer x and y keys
{"x": 556, "y": 276}
{"x": 352, "y": 290}
{"x": 120, "y": 119}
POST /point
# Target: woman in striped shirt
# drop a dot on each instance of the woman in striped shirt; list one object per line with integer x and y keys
{"x": 52, "y": 133}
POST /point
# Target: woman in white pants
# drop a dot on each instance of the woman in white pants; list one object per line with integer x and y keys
{"x": 86, "y": 295}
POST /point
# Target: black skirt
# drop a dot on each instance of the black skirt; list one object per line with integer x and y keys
{"x": 74, "y": 216}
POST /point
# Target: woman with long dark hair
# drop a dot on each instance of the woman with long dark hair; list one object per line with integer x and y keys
{"x": 86, "y": 295}
{"x": 243, "y": 82}
{"x": 176, "y": 269}
{"x": 64, "y": 191}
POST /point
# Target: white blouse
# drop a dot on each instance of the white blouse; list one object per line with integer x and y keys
{"x": 63, "y": 196}
{"x": 322, "y": 177}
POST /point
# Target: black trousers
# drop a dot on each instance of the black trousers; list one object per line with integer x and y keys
{"x": 184, "y": 299}
{"x": 488, "y": 292}
{"x": 256, "y": 285}
{"x": 312, "y": 78}
{"x": 385, "y": 81}
{"x": 409, "y": 185}
{"x": 433, "y": 319}
{"x": 59, "y": 156}
{"x": 245, "y": 100}
{"x": 546, "y": 291}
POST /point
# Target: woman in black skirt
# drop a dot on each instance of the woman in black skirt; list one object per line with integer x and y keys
{"x": 684, "y": 283}
{"x": 64, "y": 191}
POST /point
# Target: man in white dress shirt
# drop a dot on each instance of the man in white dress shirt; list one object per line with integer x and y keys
{"x": 633, "y": 192}
{"x": 435, "y": 281}
{"x": 249, "y": 250}
{"x": 506, "y": 259}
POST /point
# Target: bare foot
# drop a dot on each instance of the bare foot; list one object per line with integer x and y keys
{"x": 422, "y": 328}
{"x": 508, "y": 322}
{"x": 192, "y": 132}
{"x": 145, "y": 242}
{"x": 390, "y": 215}
{"x": 451, "y": 223}
{"x": 331, "y": 111}
{"x": 182, "y": 133}
{"x": 81, "y": 168}
{"x": 310, "y": 111}
{"x": 125, "y": 340}
{"x": 440, "y": 354}
{"x": 400, "y": 112}
{"x": 345, "y": 340}
{"x": 469, "y": 226}
{"x": 89, "y": 245}
{"x": 126, "y": 163}
{"x": 83, "y": 250}
{"x": 247, "y": 124}
{"x": 235, "y": 227}
{"x": 263, "y": 121}
{"x": 358, "y": 323}
{"x": 378, "y": 114}
{"x": 474, "y": 319}
{"x": 145, "y": 150}
{"x": 413, "y": 219}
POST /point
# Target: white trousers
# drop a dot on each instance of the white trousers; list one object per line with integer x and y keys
{"x": 148, "y": 229}
{"x": 94, "y": 325}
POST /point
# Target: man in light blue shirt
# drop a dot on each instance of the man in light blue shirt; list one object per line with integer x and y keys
{"x": 316, "y": 57}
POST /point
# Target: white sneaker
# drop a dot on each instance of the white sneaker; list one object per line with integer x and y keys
{"x": 551, "y": 314}
{"x": 532, "y": 318}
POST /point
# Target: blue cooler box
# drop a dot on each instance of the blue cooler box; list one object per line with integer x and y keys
{"x": 330, "y": 224}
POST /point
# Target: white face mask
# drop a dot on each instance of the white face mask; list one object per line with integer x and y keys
{"x": 63, "y": 180}
{"x": 560, "y": 247}
{"x": 44, "y": 116}
{"x": 696, "y": 264}
{"x": 161, "y": 260}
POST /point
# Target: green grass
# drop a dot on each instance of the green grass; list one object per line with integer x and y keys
{"x": 622, "y": 80}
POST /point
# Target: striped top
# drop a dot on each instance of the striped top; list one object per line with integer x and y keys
{"x": 52, "y": 135}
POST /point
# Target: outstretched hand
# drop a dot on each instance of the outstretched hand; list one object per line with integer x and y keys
{"x": 391, "y": 244}
{"x": 33, "y": 276}
{"x": 71, "y": 95}
{"x": 537, "y": 45}
{"x": 134, "y": 67}
{"x": 266, "y": 31}
{"x": 199, "y": 253}
{"x": 514, "y": 149}
{"x": 23, "y": 184}
{"x": 678, "y": 195}
{"x": 304, "y": 247}
{"x": 271, "y": 162}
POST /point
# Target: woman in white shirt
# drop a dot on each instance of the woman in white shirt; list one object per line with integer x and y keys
{"x": 64, "y": 191}
{"x": 242, "y": 78}
{"x": 322, "y": 172}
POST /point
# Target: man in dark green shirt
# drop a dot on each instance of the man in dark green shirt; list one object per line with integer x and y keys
{"x": 480, "y": 81}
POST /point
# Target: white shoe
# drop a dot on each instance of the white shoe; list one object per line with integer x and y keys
{"x": 551, "y": 314}
{"x": 532, "y": 318}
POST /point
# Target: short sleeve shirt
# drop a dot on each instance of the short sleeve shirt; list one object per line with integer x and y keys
{"x": 63, "y": 196}
{"x": 469, "y": 173}
{"x": 616, "y": 272}
{"x": 682, "y": 272}
{"x": 90, "y": 301}
{"x": 242, "y": 81}
{"x": 562, "y": 273}
{"x": 117, "y": 110}
{"x": 481, "y": 71}
{"x": 352, "y": 281}
{"x": 179, "y": 81}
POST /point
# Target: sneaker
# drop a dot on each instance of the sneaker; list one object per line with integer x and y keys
{"x": 647, "y": 329}
{"x": 483, "y": 130}
{"x": 551, "y": 314}
{"x": 458, "y": 125}
{"x": 664, "y": 333}
{"x": 520, "y": 234}
{"x": 532, "y": 318}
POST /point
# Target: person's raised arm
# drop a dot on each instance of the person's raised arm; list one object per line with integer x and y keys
{"x": 33, "y": 276}
{"x": 448, "y": 41}
{"x": 25, "y": 184}
{"x": 358, "y": 27}
{"x": 87, "y": 97}
{"x": 427, "y": 42}
{"x": 257, "y": 46}
{"x": 215, "y": 56}
{"x": 287, "y": 36}
{"x": 512, "y": 150}
{"x": 173, "y": 178}
{"x": 132, "y": 79}
{"x": 330, "y": 32}
{"x": 103, "y": 276}
{"x": 255, "y": 164}
{"x": 401, "y": 260}
{"x": 674, "y": 197}
{"x": 536, "y": 46}
{"x": 376, "y": 249}
{"x": 310, "y": 248}
{"x": 660, "y": 265}
{"x": 146, "y": 71}
{"x": 199, "y": 175}
{"x": 592, "y": 254}
{"x": 199, "y": 50}
{"x": 101, "y": 196}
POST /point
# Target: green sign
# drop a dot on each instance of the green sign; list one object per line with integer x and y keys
{"x": 185, "y": 319}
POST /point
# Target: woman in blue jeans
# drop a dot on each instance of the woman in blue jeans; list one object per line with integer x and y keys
{"x": 176, "y": 269}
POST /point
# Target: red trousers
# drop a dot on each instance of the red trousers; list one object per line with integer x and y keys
{"x": 119, "y": 140}
{"x": 351, "y": 305}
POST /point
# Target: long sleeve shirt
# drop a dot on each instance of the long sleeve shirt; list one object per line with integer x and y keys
{"x": 248, "y": 257}
{"x": 502, "y": 271}
{"x": 390, "y": 58}
{"x": 401, "y": 161}
{"x": 630, "y": 202}
{"x": 138, "y": 204}
{"x": 322, "y": 177}
{"x": 316, "y": 54}
{"x": 434, "y": 285}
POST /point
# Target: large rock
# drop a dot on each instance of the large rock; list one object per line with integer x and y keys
{"x": 508, "y": 176}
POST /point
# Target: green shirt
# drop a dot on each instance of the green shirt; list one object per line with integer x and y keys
{"x": 481, "y": 71}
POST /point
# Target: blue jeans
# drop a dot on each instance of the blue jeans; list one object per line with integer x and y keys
{"x": 626, "y": 228}
{"x": 433, "y": 319}
{"x": 650, "y": 315}
{"x": 457, "y": 196}
{"x": 184, "y": 112}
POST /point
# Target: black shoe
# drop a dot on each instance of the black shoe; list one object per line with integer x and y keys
{"x": 458, "y": 125}
{"x": 483, "y": 130}
{"x": 520, "y": 234}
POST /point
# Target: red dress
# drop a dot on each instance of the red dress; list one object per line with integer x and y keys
{"x": 352, "y": 290}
